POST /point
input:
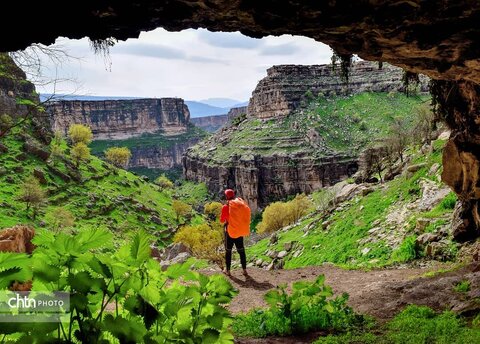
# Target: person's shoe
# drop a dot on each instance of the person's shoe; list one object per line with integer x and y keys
{"x": 245, "y": 272}
{"x": 227, "y": 272}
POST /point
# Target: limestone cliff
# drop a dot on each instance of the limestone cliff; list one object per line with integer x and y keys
{"x": 210, "y": 123}
{"x": 286, "y": 86}
{"x": 157, "y": 131}
{"x": 120, "y": 119}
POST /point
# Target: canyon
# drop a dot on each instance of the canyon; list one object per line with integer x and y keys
{"x": 275, "y": 150}
{"x": 213, "y": 123}
{"x": 157, "y": 131}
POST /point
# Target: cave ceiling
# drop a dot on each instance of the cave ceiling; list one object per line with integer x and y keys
{"x": 437, "y": 38}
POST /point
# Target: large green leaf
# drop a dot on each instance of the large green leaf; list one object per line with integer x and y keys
{"x": 210, "y": 336}
{"x": 94, "y": 238}
{"x": 140, "y": 248}
{"x": 14, "y": 267}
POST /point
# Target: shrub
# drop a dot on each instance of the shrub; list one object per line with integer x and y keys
{"x": 80, "y": 133}
{"x": 118, "y": 156}
{"x": 204, "y": 241}
{"x": 164, "y": 182}
{"x": 462, "y": 287}
{"x": 306, "y": 309}
{"x": 32, "y": 194}
{"x": 59, "y": 219}
{"x": 449, "y": 201}
{"x": 280, "y": 214}
{"x": 407, "y": 250}
{"x": 213, "y": 210}
{"x": 80, "y": 152}
{"x": 181, "y": 209}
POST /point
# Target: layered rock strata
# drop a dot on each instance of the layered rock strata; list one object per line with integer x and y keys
{"x": 120, "y": 119}
{"x": 264, "y": 179}
{"x": 286, "y": 86}
{"x": 210, "y": 123}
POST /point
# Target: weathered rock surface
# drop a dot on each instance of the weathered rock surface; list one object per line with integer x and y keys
{"x": 120, "y": 119}
{"x": 265, "y": 178}
{"x": 17, "y": 239}
{"x": 286, "y": 86}
{"x": 210, "y": 123}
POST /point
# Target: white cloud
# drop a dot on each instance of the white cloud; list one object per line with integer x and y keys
{"x": 191, "y": 64}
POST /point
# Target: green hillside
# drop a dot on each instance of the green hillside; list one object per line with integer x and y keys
{"x": 97, "y": 194}
{"x": 376, "y": 229}
{"x": 323, "y": 127}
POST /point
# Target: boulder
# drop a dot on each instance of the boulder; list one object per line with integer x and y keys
{"x": 35, "y": 150}
{"x": 416, "y": 167}
{"x": 421, "y": 224}
{"x": 40, "y": 175}
{"x": 155, "y": 219}
{"x": 17, "y": 239}
{"x": 288, "y": 245}
{"x": 464, "y": 223}
{"x": 273, "y": 239}
{"x": 282, "y": 254}
{"x": 432, "y": 194}
{"x": 426, "y": 238}
{"x": 174, "y": 250}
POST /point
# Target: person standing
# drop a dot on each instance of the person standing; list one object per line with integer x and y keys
{"x": 236, "y": 219}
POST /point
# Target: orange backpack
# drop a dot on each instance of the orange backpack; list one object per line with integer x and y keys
{"x": 239, "y": 218}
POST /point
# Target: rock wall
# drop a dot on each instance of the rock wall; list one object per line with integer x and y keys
{"x": 268, "y": 178}
{"x": 164, "y": 158}
{"x": 237, "y": 111}
{"x": 120, "y": 119}
{"x": 210, "y": 123}
{"x": 286, "y": 86}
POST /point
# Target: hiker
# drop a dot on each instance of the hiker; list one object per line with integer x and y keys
{"x": 236, "y": 217}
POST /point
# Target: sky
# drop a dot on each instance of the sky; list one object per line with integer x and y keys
{"x": 191, "y": 64}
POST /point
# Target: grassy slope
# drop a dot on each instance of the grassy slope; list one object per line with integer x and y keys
{"x": 339, "y": 243}
{"x": 344, "y": 125}
{"x": 95, "y": 201}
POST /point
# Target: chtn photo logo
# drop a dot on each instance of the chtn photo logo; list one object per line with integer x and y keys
{"x": 25, "y": 301}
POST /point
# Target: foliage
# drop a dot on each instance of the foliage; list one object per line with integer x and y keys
{"x": 118, "y": 156}
{"x": 6, "y": 122}
{"x": 448, "y": 202}
{"x": 148, "y": 305}
{"x": 213, "y": 210}
{"x": 415, "y": 324}
{"x": 32, "y": 194}
{"x": 407, "y": 250}
{"x": 164, "y": 182}
{"x": 80, "y": 152}
{"x": 280, "y": 214}
{"x": 181, "y": 209}
{"x": 195, "y": 194}
{"x": 203, "y": 240}
{"x": 57, "y": 146}
{"x": 79, "y": 133}
{"x": 462, "y": 287}
{"x": 59, "y": 219}
{"x": 308, "y": 308}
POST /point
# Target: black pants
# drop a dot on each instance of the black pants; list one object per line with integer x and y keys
{"x": 240, "y": 249}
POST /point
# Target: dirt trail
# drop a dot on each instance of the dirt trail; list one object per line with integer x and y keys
{"x": 379, "y": 293}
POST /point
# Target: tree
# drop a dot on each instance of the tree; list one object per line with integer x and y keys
{"x": 424, "y": 124}
{"x": 181, "y": 209}
{"x": 59, "y": 219}
{"x": 164, "y": 182}
{"x": 79, "y": 133}
{"x": 372, "y": 159}
{"x": 118, "y": 156}
{"x": 399, "y": 137}
{"x": 32, "y": 194}
{"x": 80, "y": 152}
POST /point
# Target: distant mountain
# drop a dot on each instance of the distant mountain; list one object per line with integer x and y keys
{"x": 220, "y": 102}
{"x": 198, "y": 109}
{"x": 240, "y": 104}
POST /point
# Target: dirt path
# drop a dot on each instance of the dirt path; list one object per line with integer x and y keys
{"x": 379, "y": 293}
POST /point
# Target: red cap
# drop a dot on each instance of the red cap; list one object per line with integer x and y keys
{"x": 229, "y": 194}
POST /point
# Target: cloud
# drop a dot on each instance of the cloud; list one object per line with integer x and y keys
{"x": 229, "y": 40}
{"x": 280, "y": 49}
{"x": 149, "y": 50}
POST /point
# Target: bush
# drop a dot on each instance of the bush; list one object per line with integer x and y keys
{"x": 449, "y": 201}
{"x": 213, "y": 210}
{"x": 280, "y": 214}
{"x": 407, "y": 250}
{"x": 164, "y": 182}
{"x": 80, "y": 133}
{"x": 181, "y": 209}
{"x": 118, "y": 156}
{"x": 306, "y": 309}
{"x": 80, "y": 152}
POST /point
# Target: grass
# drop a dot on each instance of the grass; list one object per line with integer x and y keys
{"x": 462, "y": 287}
{"x": 105, "y": 197}
{"x": 341, "y": 241}
{"x": 414, "y": 325}
{"x": 344, "y": 125}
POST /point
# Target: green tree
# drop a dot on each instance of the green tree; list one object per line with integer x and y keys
{"x": 59, "y": 219}
{"x": 118, "y": 156}
{"x": 181, "y": 209}
{"x": 80, "y": 152}
{"x": 32, "y": 194}
{"x": 79, "y": 133}
{"x": 164, "y": 182}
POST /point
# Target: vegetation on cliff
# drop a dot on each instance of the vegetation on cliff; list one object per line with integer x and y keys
{"x": 326, "y": 126}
